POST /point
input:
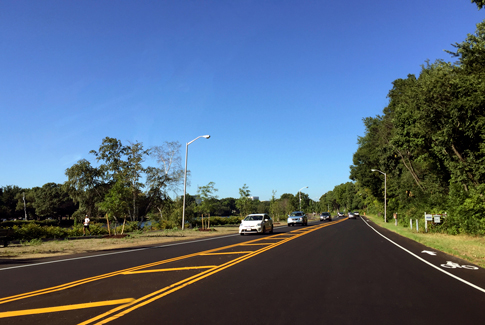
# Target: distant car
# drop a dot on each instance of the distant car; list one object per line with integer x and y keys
{"x": 297, "y": 218}
{"x": 351, "y": 215}
{"x": 256, "y": 223}
{"x": 356, "y": 214}
{"x": 340, "y": 214}
{"x": 325, "y": 216}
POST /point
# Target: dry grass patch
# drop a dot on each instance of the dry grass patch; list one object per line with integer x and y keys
{"x": 470, "y": 248}
{"x": 38, "y": 249}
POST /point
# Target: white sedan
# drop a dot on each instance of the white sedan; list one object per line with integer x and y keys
{"x": 256, "y": 223}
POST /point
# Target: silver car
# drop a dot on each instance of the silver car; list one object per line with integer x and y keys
{"x": 256, "y": 223}
{"x": 297, "y": 218}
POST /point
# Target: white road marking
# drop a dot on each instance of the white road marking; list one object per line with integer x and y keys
{"x": 453, "y": 265}
{"x": 122, "y": 252}
{"x": 429, "y": 252}
{"x": 430, "y": 264}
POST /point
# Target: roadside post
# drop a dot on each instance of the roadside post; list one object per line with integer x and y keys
{"x": 417, "y": 225}
{"x": 427, "y": 217}
{"x": 411, "y": 224}
{"x": 395, "y": 219}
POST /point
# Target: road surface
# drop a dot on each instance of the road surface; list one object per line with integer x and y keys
{"x": 338, "y": 272}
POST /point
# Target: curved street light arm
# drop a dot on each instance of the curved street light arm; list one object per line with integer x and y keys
{"x": 185, "y": 174}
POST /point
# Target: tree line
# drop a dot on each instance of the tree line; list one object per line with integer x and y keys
{"x": 121, "y": 187}
{"x": 430, "y": 142}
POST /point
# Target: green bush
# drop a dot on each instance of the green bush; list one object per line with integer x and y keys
{"x": 218, "y": 221}
{"x": 95, "y": 229}
{"x": 34, "y": 231}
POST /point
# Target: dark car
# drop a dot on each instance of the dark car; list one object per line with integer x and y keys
{"x": 325, "y": 216}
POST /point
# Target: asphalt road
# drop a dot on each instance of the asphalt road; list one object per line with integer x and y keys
{"x": 339, "y": 272}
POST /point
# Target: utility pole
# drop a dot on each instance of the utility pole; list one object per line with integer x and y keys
{"x": 25, "y": 208}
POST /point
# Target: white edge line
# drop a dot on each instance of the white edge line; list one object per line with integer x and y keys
{"x": 126, "y": 251}
{"x": 423, "y": 260}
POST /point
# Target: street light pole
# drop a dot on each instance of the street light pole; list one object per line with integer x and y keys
{"x": 385, "y": 192}
{"x": 299, "y": 194}
{"x": 185, "y": 174}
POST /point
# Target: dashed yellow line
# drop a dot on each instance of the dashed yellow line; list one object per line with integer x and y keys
{"x": 65, "y": 308}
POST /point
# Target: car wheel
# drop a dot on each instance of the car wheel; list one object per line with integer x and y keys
{"x": 242, "y": 234}
{"x": 271, "y": 231}
{"x": 263, "y": 231}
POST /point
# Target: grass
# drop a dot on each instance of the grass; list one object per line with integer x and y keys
{"x": 39, "y": 249}
{"x": 470, "y": 248}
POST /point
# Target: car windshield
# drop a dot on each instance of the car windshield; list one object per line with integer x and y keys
{"x": 296, "y": 214}
{"x": 253, "y": 218}
{"x": 325, "y": 214}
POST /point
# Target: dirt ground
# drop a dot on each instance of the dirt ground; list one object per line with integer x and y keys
{"x": 38, "y": 249}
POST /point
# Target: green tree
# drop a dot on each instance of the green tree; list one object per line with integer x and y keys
{"x": 85, "y": 186}
{"x": 274, "y": 207}
{"x": 8, "y": 202}
{"x": 122, "y": 165}
{"x": 115, "y": 202}
{"x": 244, "y": 202}
{"x": 479, "y": 3}
{"x": 134, "y": 171}
{"x": 206, "y": 195}
{"x": 51, "y": 200}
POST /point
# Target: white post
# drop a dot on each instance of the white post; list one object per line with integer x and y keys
{"x": 385, "y": 197}
{"x": 411, "y": 224}
{"x": 425, "y": 223}
{"x": 417, "y": 225}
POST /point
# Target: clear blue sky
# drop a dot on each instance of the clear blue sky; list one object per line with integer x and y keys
{"x": 281, "y": 86}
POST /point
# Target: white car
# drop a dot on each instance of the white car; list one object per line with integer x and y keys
{"x": 256, "y": 223}
{"x": 297, "y": 218}
{"x": 351, "y": 215}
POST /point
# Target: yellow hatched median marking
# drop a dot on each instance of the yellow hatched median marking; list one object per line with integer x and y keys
{"x": 130, "y": 304}
{"x": 103, "y": 276}
{"x": 226, "y": 253}
{"x": 256, "y": 244}
{"x": 171, "y": 269}
{"x": 65, "y": 308}
{"x": 119, "y": 312}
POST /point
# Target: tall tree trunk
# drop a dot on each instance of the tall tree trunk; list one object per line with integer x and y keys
{"x": 410, "y": 168}
{"x": 460, "y": 157}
